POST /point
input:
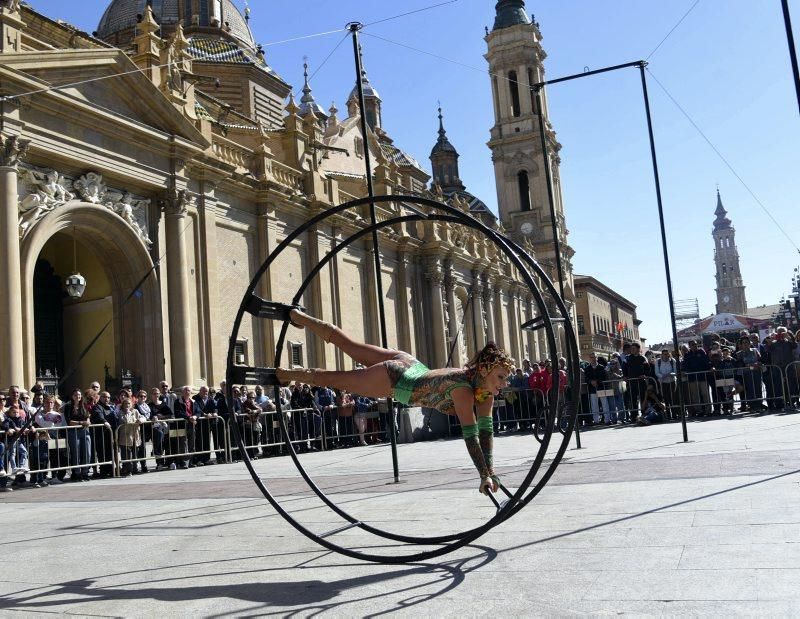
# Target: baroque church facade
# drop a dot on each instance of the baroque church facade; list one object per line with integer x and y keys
{"x": 163, "y": 159}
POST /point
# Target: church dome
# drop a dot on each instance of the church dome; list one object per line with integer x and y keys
{"x": 121, "y": 17}
{"x": 366, "y": 85}
{"x": 510, "y": 13}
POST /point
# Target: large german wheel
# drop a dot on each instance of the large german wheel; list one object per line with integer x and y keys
{"x": 412, "y": 209}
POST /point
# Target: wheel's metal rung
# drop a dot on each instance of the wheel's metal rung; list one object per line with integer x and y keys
{"x": 246, "y": 375}
{"x": 261, "y": 308}
{"x": 340, "y": 529}
{"x": 534, "y": 324}
{"x": 490, "y": 494}
{"x": 506, "y": 491}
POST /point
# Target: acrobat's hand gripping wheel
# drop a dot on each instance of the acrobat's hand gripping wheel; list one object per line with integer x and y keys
{"x": 527, "y": 269}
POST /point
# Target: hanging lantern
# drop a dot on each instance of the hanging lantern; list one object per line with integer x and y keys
{"x": 75, "y": 283}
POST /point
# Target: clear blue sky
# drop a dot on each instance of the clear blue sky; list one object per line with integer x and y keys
{"x": 727, "y": 65}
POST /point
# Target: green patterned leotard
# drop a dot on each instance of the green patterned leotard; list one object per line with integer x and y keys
{"x": 415, "y": 384}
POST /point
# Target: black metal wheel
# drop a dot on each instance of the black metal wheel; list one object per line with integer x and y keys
{"x": 527, "y": 269}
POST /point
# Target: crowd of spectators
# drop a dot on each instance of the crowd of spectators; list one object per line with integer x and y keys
{"x": 45, "y": 440}
{"x": 92, "y": 435}
{"x": 630, "y": 387}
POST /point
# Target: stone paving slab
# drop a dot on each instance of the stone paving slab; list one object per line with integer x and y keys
{"x": 636, "y": 523}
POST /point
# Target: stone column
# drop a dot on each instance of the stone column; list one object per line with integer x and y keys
{"x": 11, "y": 345}
{"x": 373, "y": 331}
{"x": 435, "y": 277}
{"x": 488, "y": 304}
{"x": 533, "y": 345}
{"x": 180, "y": 327}
{"x": 478, "y": 326}
{"x": 525, "y": 100}
{"x": 456, "y": 326}
{"x": 313, "y": 299}
{"x": 499, "y": 332}
{"x": 403, "y": 315}
{"x": 265, "y": 329}
{"x": 514, "y": 322}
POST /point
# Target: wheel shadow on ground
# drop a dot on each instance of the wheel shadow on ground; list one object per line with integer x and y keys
{"x": 281, "y": 597}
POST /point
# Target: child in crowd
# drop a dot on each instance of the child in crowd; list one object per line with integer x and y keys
{"x": 129, "y": 435}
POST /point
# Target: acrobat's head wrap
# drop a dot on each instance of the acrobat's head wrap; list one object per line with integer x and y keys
{"x": 489, "y": 358}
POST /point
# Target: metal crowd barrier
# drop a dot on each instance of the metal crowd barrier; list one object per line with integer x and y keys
{"x": 172, "y": 441}
{"x": 60, "y": 450}
{"x": 524, "y": 409}
{"x": 261, "y": 433}
{"x": 309, "y": 430}
{"x": 617, "y": 400}
{"x": 792, "y": 375}
{"x": 738, "y": 389}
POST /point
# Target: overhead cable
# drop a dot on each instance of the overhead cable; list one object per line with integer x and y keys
{"x": 724, "y": 160}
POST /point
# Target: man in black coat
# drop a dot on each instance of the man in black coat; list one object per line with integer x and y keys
{"x": 636, "y": 370}
{"x": 208, "y": 425}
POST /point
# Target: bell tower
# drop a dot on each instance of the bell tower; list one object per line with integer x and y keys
{"x": 444, "y": 162}
{"x": 730, "y": 288}
{"x": 515, "y": 56}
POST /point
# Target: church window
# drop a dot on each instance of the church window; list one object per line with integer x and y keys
{"x": 514, "y": 89}
{"x": 524, "y": 190}
{"x": 359, "y": 146}
{"x": 240, "y": 352}
{"x": 724, "y": 269}
{"x": 296, "y": 354}
{"x": 372, "y": 118}
{"x": 203, "y": 13}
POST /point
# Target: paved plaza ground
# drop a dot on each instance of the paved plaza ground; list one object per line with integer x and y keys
{"x": 636, "y": 522}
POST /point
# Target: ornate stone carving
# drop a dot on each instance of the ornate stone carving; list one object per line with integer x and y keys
{"x": 434, "y": 272}
{"x": 90, "y": 187}
{"x": 48, "y": 189}
{"x": 177, "y": 202}
{"x": 131, "y": 209}
{"x": 14, "y": 150}
{"x": 13, "y": 6}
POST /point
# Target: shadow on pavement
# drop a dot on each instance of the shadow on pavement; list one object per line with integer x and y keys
{"x": 307, "y": 596}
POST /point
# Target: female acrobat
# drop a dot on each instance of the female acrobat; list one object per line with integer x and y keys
{"x": 397, "y": 374}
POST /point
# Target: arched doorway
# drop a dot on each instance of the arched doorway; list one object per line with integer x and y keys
{"x": 113, "y": 259}
{"x": 48, "y": 316}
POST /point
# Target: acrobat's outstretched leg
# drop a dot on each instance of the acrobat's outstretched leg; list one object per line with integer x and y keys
{"x": 365, "y": 354}
{"x": 372, "y": 382}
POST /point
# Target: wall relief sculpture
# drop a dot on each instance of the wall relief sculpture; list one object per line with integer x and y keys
{"x": 43, "y": 190}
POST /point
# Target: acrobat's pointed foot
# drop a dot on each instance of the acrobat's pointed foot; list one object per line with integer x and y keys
{"x": 272, "y": 309}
